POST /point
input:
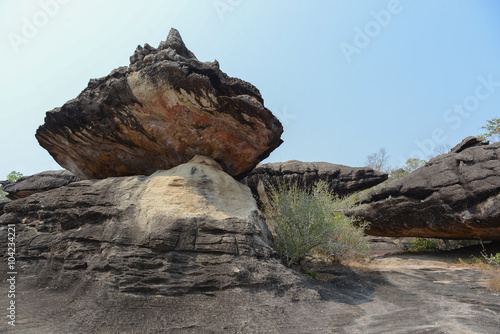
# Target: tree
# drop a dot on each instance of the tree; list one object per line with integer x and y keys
{"x": 379, "y": 161}
{"x": 493, "y": 130}
{"x": 12, "y": 177}
{"x": 3, "y": 195}
{"x": 441, "y": 149}
{"x": 411, "y": 165}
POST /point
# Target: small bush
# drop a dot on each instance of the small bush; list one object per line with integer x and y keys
{"x": 312, "y": 274}
{"x": 313, "y": 224}
{"x": 422, "y": 245}
{"x": 492, "y": 259}
{"x": 12, "y": 177}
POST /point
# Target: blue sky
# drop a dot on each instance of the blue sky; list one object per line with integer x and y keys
{"x": 346, "y": 78}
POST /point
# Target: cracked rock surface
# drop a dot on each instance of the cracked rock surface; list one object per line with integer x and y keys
{"x": 191, "y": 228}
{"x": 454, "y": 196}
{"x": 159, "y": 112}
{"x": 37, "y": 183}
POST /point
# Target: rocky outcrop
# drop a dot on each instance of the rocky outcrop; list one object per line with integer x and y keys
{"x": 191, "y": 228}
{"x": 468, "y": 142}
{"x": 454, "y": 196}
{"x": 186, "y": 251}
{"x": 159, "y": 112}
{"x": 37, "y": 183}
{"x": 342, "y": 180}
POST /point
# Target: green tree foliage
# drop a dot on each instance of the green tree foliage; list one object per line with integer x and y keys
{"x": 313, "y": 225}
{"x": 493, "y": 130}
{"x": 3, "y": 195}
{"x": 411, "y": 165}
{"x": 422, "y": 245}
{"x": 12, "y": 177}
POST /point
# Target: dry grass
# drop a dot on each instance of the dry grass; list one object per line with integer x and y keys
{"x": 481, "y": 263}
{"x": 494, "y": 283}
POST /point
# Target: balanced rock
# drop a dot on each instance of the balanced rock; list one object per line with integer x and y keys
{"x": 342, "y": 180}
{"x": 161, "y": 111}
{"x": 191, "y": 228}
{"x": 37, "y": 183}
{"x": 454, "y": 196}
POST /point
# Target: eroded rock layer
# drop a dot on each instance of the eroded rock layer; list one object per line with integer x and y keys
{"x": 454, "y": 196}
{"x": 342, "y": 180}
{"x": 191, "y": 228}
{"x": 37, "y": 183}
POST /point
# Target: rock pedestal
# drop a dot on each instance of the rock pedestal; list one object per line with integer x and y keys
{"x": 190, "y": 228}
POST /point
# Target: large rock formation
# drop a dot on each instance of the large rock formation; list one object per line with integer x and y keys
{"x": 37, "y": 183}
{"x": 191, "y": 228}
{"x": 454, "y": 196}
{"x": 342, "y": 180}
{"x": 159, "y": 112}
{"x": 187, "y": 251}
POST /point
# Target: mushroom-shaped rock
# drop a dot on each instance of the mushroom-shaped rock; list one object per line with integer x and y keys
{"x": 159, "y": 112}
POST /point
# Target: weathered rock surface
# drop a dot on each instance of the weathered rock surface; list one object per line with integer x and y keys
{"x": 468, "y": 142}
{"x": 342, "y": 180}
{"x": 191, "y": 228}
{"x": 454, "y": 196}
{"x": 37, "y": 183}
{"x": 161, "y": 111}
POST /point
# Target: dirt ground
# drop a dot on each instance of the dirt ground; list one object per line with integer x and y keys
{"x": 419, "y": 293}
{"x": 387, "y": 293}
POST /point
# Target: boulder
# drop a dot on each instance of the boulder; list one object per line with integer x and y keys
{"x": 342, "y": 180}
{"x": 159, "y": 112}
{"x": 454, "y": 196}
{"x": 40, "y": 182}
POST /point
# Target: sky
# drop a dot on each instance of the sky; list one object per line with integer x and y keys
{"x": 346, "y": 78}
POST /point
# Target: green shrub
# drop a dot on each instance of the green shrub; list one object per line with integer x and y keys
{"x": 312, "y": 274}
{"x": 492, "y": 259}
{"x": 12, "y": 177}
{"x": 3, "y": 195}
{"x": 313, "y": 225}
{"x": 422, "y": 245}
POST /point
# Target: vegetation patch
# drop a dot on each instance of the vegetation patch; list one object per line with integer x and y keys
{"x": 313, "y": 225}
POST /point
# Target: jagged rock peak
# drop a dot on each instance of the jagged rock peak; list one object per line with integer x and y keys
{"x": 173, "y": 42}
